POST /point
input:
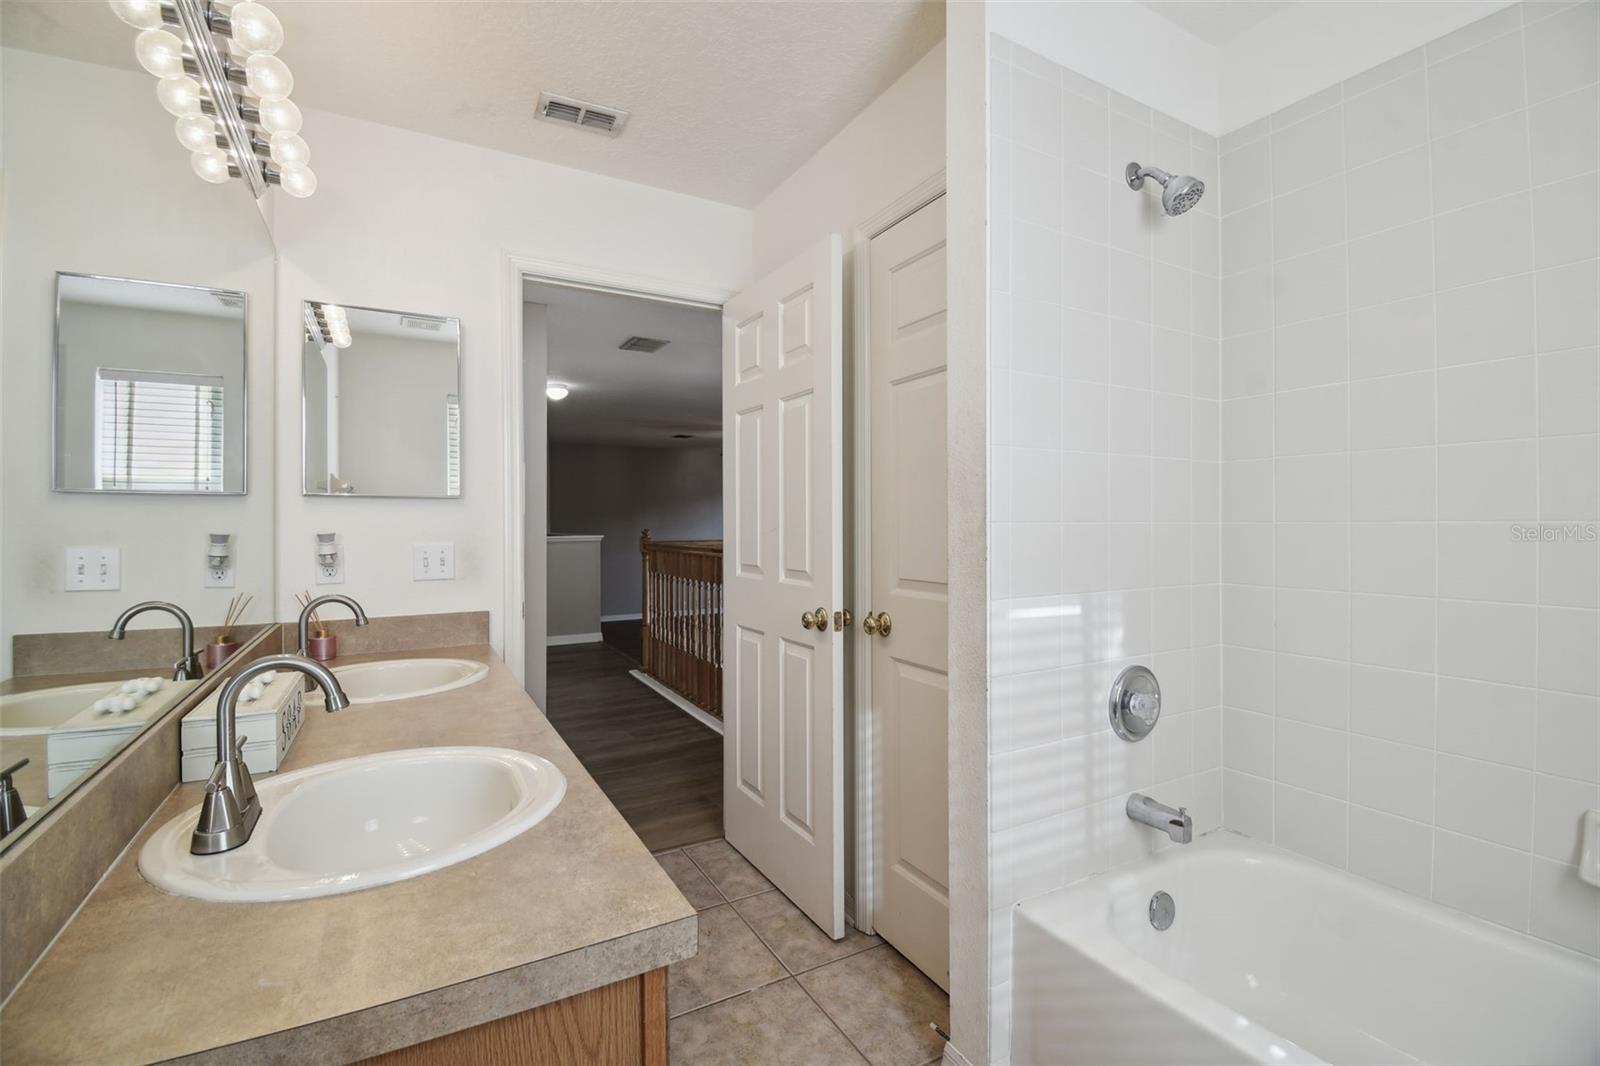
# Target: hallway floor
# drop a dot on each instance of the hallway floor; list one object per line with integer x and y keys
{"x": 661, "y": 768}
{"x": 768, "y": 987}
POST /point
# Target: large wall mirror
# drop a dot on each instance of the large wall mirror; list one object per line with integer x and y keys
{"x": 381, "y": 402}
{"x": 136, "y": 417}
{"x": 150, "y": 392}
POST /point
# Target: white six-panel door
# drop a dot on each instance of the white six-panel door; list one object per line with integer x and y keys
{"x": 783, "y": 695}
{"x": 909, "y": 571}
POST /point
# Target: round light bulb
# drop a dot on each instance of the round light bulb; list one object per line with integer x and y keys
{"x": 279, "y": 116}
{"x": 268, "y": 77}
{"x": 211, "y": 164}
{"x": 159, "y": 52}
{"x": 197, "y": 132}
{"x": 290, "y": 150}
{"x": 140, "y": 14}
{"x": 556, "y": 391}
{"x": 179, "y": 94}
{"x": 255, "y": 29}
{"x": 298, "y": 182}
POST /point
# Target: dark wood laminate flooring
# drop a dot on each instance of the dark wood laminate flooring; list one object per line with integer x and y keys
{"x": 625, "y": 637}
{"x": 661, "y": 768}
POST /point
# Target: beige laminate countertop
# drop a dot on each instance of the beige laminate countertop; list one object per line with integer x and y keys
{"x": 575, "y": 902}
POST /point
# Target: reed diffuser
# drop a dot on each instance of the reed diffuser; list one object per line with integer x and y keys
{"x": 225, "y": 643}
{"x": 321, "y": 645}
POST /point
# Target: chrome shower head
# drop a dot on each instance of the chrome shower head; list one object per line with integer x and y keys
{"x": 1179, "y": 192}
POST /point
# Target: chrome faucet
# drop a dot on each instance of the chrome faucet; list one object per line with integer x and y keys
{"x": 231, "y": 808}
{"x": 1175, "y": 823}
{"x": 12, "y": 812}
{"x": 187, "y": 668}
{"x": 332, "y": 597}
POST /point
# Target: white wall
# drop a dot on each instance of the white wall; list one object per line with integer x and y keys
{"x": 145, "y": 216}
{"x": 894, "y": 143}
{"x": 1102, "y": 487}
{"x": 390, "y": 407}
{"x": 1308, "y": 46}
{"x": 1411, "y": 308}
{"x": 406, "y": 221}
{"x": 615, "y": 491}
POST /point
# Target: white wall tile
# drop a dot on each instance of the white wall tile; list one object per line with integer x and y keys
{"x": 1559, "y": 805}
{"x": 1488, "y": 482}
{"x": 1308, "y": 219}
{"x": 1569, "y": 735}
{"x": 1312, "y": 757}
{"x": 1392, "y": 265}
{"x": 1311, "y": 488}
{"x": 1563, "y": 908}
{"x": 1563, "y": 52}
{"x": 1393, "y": 778}
{"x": 1313, "y": 352}
{"x": 1393, "y": 851}
{"x": 1308, "y": 555}
{"x": 1314, "y": 691}
{"x": 1313, "y": 421}
{"x": 1492, "y": 320}
{"x": 1393, "y": 412}
{"x": 1394, "y": 558}
{"x": 1566, "y": 221}
{"x": 1481, "y": 878}
{"x": 1567, "y": 315}
{"x": 1487, "y": 401}
{"x": 1084, "y": 126}
{"x": 1313, "y": 825}
{"x": 1393, "y": 486}
{"x": 1485, "y": 800}
{"x": 1246, "y": 176}
{"x": 1313, "y": 623}
{"x": 1569, "y": 650}
{"x": 1385, "y": 121}
{"x": 1247, "y": 368}
{"x": 1393, "y": 338}
{"x": 1393, "y": 631}
{"x": 1481, "y": 162}
{"x": 1310, "y": 286}
{"x": 1395, "y": 705}
{"x": 1482, "y": 561}
{"x": 1564, "y": 133}
{"x": 1488, "y": 240}
{"x": 1487, "y": 641}
{"x": 1476, "y": 85}
{"x": 1387, "y": 193}
{"x": 1247, "y": 804}
{"x": 1569, "y": 391}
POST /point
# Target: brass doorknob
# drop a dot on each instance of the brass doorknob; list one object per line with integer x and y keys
{"x": 877, "y": 625}
{"x": 817, "y": 619}
{"x": 841, "y": 619}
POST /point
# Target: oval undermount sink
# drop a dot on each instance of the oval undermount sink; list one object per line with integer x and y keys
{"x": 358, "y": 823}
{"x": 403, "y": 679}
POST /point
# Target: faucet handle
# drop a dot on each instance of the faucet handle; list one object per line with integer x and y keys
{"x": 5, "y": 775}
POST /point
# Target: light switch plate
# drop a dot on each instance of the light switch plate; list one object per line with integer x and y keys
{"x": 433, "y": 562}
{"x": 93, "y": 568}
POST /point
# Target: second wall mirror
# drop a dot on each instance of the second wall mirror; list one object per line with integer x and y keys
{"x": 381, "y": 403}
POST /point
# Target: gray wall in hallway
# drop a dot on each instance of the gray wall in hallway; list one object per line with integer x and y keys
{"x": 616, "y": 491}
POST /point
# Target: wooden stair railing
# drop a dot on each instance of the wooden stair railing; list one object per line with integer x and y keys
{"x": 681, "y": 627}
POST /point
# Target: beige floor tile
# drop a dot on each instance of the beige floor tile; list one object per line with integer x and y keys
{"x": 777, "y": 1025}
{"x": 793, "y": 937}
{"x": 694, "y": 885}
{"x": 729, "y": 871}
{"x": 883, "y": 1004}
{"x": 730, "y": 960}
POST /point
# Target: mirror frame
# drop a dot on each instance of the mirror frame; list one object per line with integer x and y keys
{"x": 55, "y": 387}
{"x": 461, "y": 407}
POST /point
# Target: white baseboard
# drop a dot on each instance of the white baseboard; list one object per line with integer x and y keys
{"x": 678, "y": 701}
{"x": 574, "y": 638}
{"x": 635, "y": 617}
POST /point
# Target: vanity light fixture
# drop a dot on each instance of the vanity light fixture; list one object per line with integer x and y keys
{"x": 219, "y": 77}
{"x": 556, "y": 390}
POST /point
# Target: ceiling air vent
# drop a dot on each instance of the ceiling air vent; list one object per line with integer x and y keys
{"x": 422, "y": 322}
{"x": 230, "y": 299}
{"x": 641, "y": 344}
{"x": 683, "y": 436}
{"x": 570, "y": 112}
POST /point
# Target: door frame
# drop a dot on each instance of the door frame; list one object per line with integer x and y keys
{"x": 515, "y": 268}
{"x": 908, "y": 203}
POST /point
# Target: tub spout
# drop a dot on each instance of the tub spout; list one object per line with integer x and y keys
{"x": 1175, "y": 823}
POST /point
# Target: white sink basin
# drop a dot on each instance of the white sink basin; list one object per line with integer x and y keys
{"x": 359, "y": 823}
{"x": 402, "y": 679}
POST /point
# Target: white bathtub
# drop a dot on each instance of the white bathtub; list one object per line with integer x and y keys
{"x": 1275, "y": 959}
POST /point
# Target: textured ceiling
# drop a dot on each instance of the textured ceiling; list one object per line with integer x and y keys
{"x": 727, "y": 99}
{"x": 639, "y": 398}
{"x": 1216, "y": 21}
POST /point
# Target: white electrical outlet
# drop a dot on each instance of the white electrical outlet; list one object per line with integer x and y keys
{"x": 433, "y": 562}
{"x": 219, "y": 579}
{"x": 94, "y": 568}
{"x": 330, "y": 559}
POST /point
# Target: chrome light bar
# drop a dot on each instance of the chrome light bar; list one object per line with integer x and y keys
{"x": 235, "y": 118}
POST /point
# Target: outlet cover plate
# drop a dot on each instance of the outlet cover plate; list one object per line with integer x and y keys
{"x": 433, "y": 562}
